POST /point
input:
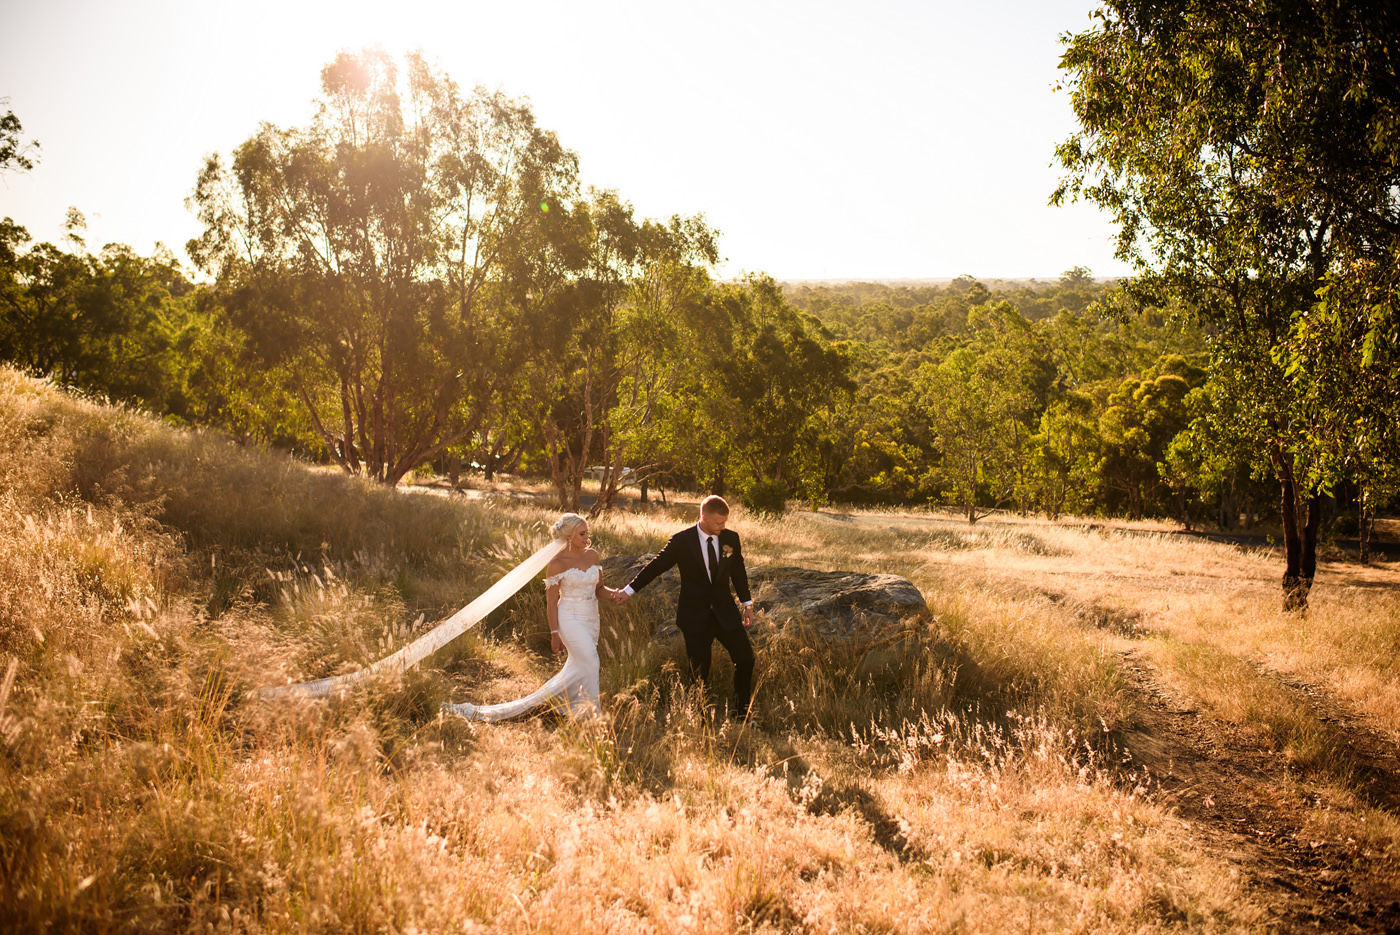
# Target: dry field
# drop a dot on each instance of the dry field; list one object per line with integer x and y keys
{"x": 1096, "y": 729}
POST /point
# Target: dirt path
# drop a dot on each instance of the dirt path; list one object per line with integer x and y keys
{"x": 1234, "y": 796}
{"x": 1233, "y": 793}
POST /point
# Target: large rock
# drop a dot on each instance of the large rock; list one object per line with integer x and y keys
{"x": 837, "y": 603}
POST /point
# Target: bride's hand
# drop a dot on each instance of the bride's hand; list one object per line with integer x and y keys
{"x": 556, "y": 642}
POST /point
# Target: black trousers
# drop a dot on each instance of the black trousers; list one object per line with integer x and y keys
{"x": 698, "y": 642}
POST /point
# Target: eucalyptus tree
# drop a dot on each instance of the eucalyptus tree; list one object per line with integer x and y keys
{"x": 878, "y": 437}
{"x": 659, "y": 325}
{"x": 15, "y": 153}
{"x": 1236, "y": 145}
{"x": 607, "y": 338}
{"x": 378, "y": 256}
{"x": 111, "y": 323}
{"x": 969, "y": 410}
{"x": 1067, "y": 452}
{"x": 1344, "y": 356}
{"x": 1215, "y": 464}
{"x": 778, "y": 383}
{"x": 1329, "y": 72}
{"x": 984, "y": 401}
{"x": 1142, "y": 417}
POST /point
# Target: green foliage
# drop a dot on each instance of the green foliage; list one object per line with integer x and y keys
{"x": 1142, "y": 418}
{"x": 1201, "y": 131}
{"x": 1068, "y": 446}
{"x": 767, "y": 496}
{"x": 1002, "y": 408}
{"x": 1212, "y": 467}
{"x": 780, "y": 378}
{"x": 1344, "y": 356}
{"x": 391, "y": 257}
{"x": 14, "y": 154}
{"x": 111, "y": 324}
{"x": 619, "y": 339}
{"x": 984, "y": 400}
{"x": 643, "y": 361}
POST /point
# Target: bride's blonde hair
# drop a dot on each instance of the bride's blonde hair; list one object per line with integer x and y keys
{"x": 564, "y": 527}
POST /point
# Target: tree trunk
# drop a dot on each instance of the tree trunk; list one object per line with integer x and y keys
{"x": 510, "y": 461}
{"x": 1299, "y": 538}
{"x": 1365, "y": 520}
{"x": 557, "y": 471}
{"x": 612, "y": 476}
{"x": 350, "y": 458}
{"x": 489, "y": 457}
{"x": 1292, "y": 542}
{"x": 1229, "y": 512}
{"x": 1308, "y": 570}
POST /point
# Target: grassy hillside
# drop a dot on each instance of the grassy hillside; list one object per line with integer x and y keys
{"x": 989, "y": 769}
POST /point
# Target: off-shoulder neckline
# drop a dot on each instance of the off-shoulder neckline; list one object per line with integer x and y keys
{"x": 583, "y": 571}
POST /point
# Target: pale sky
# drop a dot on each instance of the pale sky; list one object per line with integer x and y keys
{"x": 825, "y": 140}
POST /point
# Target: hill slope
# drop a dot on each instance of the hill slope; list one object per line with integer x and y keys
{"x": 1037, "y": 755}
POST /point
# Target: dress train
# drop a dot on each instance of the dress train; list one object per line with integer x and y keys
{"x": 575, "y": 687}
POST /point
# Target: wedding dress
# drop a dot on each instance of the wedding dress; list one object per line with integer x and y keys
{"x": 575, "y": 687}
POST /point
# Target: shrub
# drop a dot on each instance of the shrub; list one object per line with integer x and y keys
{"x": 767, "y": 496}
{"x": 1347, "y": 524}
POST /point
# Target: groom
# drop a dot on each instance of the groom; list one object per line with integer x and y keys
{"x": 709, "y": 559}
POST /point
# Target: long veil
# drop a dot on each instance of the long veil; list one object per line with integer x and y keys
{"x": 439, "y": 636}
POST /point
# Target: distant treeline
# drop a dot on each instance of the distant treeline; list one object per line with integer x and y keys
{"x": 1035, "y": 398}
{"x": 1039, "y": 398}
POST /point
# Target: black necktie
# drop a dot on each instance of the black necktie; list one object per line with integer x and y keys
{"x": 714, "y": 562}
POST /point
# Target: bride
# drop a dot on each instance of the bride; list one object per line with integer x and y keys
{"x": 573, "y": 586}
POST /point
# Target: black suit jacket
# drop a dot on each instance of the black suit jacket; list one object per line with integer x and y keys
{"x": 699, "y": 595}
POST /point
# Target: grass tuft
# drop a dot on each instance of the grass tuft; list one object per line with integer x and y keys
{"x": 953, "y": 774}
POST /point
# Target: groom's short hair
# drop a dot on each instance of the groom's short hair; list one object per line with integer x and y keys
{"x": 714, "y": 503}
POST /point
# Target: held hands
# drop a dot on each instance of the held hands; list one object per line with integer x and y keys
{"x": 619, "y": 597}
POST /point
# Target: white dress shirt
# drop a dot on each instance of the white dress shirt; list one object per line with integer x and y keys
{"x": 705, "y": 540}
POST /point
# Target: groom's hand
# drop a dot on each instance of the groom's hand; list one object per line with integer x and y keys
{"x": 748, "y": 616}
{"x": 620, "y": 597}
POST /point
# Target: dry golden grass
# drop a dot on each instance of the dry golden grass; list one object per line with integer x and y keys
{"x": 955, "y": 778}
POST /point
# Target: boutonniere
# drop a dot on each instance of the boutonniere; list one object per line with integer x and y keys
{"x": 725, "y": 551}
